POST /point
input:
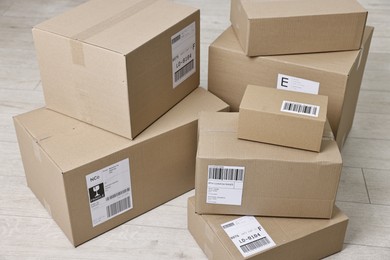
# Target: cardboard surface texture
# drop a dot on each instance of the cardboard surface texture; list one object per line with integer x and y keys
{"x": 297, "y": 26}
{"x": 282, "y": 117}
{"x": 337, "y": 75}
{"x": 240, "y": 177}
{"x": 91, "y": 180}
{"x": 119, "y": 65}
{"x": 294, "y": 238}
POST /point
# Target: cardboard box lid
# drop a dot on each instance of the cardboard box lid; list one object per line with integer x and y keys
{"x": 120, "y": 26}
{"x": 281, "y": 230}
{"x": 335, "y": 62}
{"x": 219, "y": 130}
{"x": 71, "y": 143}
{"x": 293, "y": 8}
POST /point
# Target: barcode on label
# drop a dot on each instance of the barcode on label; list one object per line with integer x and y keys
{"x": 118, "y": 207}
{"x": 300, "y": 108}
{"x": 226, "y": 173}
{"x": 255, "y": 244}
{"x": 117, "y": 194}
{"x": 183, "y": 71}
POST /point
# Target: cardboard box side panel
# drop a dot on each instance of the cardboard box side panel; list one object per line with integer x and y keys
{"x": 83, "y": 81}
{"x": 336, "y": 34}
{"x": 240, "y": 23}
{"x": 44, "y": 178}
{"x": 161, "y": 169}
{"x": 352, "y": 92}
{"x": 204, "y": 235}
{"x": 151, "y": 66}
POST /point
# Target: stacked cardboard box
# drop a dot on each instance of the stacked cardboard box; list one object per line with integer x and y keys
{"x": 118, "y": 135}
{"x": 279, "y": 158}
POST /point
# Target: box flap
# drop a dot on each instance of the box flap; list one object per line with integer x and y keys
{"x": 219, "y": 130}
{"x": 71, "y": 143}
{"x": 120, "y": 27}
{"x": 336, "y": 62}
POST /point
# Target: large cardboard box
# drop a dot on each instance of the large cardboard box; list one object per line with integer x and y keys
{"x": 297, "y": 26}
{"x": 281, "y": 117}
{"x": 267, "y": 238}
{"x": 91, "y": 180}
{"x": 337, "y": 75}
{"x": 119, "y": 65}
{"x": 241, "y": 177}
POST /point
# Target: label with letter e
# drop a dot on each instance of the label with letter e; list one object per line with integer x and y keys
{"x": 248, "y": 235}
{"x": 109, "y": 191}
{"x": 291, "y": 83}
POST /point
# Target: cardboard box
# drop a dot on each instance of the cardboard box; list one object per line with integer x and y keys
{"x": 337, "y": 75}
{"x": 298, "y": 26}
{"x": 292, "y": 238}
{"x": 240, "y": 177}
{"x": 119, "y": 65}
{"x": 91, "y": 181}
{"x": 281, "y": 117}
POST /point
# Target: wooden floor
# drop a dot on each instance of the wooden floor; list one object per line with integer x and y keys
{"x": 28, "y": 232}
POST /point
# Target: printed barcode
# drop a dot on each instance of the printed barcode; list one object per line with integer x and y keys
{"x": 255, "y": 244}
{"x": 300, "y": 108}
{"x": 118, "y": 207}
{"x": 175, "y": 39}
{"x": 226, "y": 173}
{"x": 117, "y": 194}
{"x": 183, "y": 71}
{"x": 228, "y": 225}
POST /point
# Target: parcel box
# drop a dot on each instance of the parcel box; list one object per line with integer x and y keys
{"x": 297, "y": 26}
{"x": 241, "y": 177}
{"x": 265, "y": 238}
{"x": 119, "y": 65}
{"x": 281, "y": 117}
{"x": 337, "y": 75}
{"x": 91, "y": 180}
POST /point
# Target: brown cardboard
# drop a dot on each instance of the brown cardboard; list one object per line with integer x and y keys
{"x": 110, "y": 63}
{"x": 338, "y": 74}
{"x": 294, "y": 238}
{"x": 298, "y": 26}
{"x": 58, "y": 152}
{"x": 276, "y": 180}
{"x": 286, "y": 118}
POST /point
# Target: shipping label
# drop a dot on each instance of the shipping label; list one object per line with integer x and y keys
{"x": 291, "y": 83}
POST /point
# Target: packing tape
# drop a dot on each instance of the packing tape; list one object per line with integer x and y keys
{"x": 76, "y": 40}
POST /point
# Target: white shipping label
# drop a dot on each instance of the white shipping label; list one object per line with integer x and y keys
{"x": 300, "y": 108}
{"x": 248, "y": 235}
{"x": 109, "y": 191}
{"x": 291, "y": 83}
{"x": 225, "y": 184}
{"x": 183, "y": 54}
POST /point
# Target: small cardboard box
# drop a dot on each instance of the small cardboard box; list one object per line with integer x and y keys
{"x": 266, "y": 238}
{"x": 282, "y": 117}
{"x": 298, "y": 26}
{"x": 240, "y": 177}
{"x": 91, "y": 180}
{"x": 337, "y": 75}
{"x": 119, "y": 65}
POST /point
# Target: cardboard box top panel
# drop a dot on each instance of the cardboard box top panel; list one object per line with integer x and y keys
{"x": 281, "y": 230}
{"x": 219, "y": 130}
{"x": 121, "y": 26}
{"x": 269, "y": 100}
{"x": 71, "y": 143}
{"x": 335, "y": 62}
{"x": 294, "y": 8}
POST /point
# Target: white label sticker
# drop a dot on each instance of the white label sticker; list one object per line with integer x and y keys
{"x": 291, "y": 83}
{"x": 225, "y": 184}
{"x": 183, "y": 54}
{"x": 300, "y": 108}
{"x": 248, "y": 235}
{"x": 109, "y": 192}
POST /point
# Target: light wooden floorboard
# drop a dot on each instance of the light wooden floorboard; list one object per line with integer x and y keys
{"x": 28, "y": 232}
